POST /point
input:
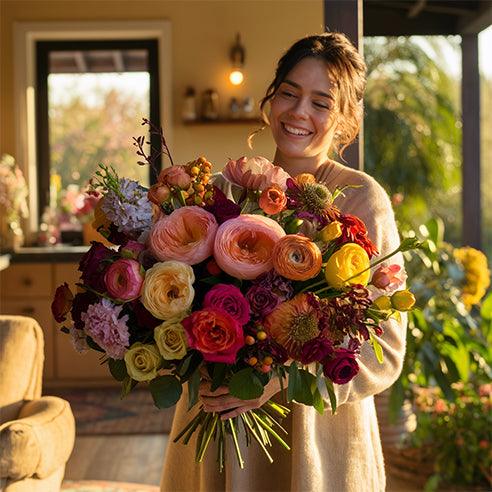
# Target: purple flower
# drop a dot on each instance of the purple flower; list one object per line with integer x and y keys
{"x": 93, "y": 266}
{"x": 316, "y": 350}
{"x": 230, "y": 299}
{"x": 342, "y": 368}
{"x": 262, "y": 300}
{"x": 129, "y": 208}
{"x": 223, "y": 209}
{"x": 281, "y": 286}
{"x": 131, "y": 249}
{"x": 103, "y": 324}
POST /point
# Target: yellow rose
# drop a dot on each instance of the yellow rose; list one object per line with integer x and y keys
{"x": 383, "y": 303}
{"x": 167, "y": 290}
{"x": 142, "y": 361}
{"x": 330, "y": 232}
{"x": 403, "y": 300}
{"x": 170, "y": 338}
{"x": 346, "y": 262}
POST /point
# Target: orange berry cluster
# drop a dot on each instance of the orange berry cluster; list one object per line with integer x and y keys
{"x": 265, "y": 364}
{"x": 200, "y": 191}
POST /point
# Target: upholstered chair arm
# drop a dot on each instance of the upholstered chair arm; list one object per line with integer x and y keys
{"x": 39, "y": 441}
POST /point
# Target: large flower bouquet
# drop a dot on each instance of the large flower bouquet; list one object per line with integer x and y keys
{"x": 275, "y": 283}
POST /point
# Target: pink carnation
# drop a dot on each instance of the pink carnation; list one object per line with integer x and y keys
{"x": 187, "y": 235}
{"x": 230, "y": 299}
{"x": 103, "y": 324}
{"x": 243, "y": 246}
{"x": 124, "y": 279}
{"x": 389, "y": 277}
{"x": 256, "y": 173}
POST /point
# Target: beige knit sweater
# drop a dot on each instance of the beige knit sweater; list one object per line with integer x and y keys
{"x": 329, "y": 453}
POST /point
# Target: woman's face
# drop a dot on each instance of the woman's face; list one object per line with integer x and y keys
{"x": 303, "y": 115}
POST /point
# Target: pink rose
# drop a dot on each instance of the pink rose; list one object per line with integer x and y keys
{"x": 230, "y": 299}
{"x": 186, "y": 235}
{"x": 158, "y": 193}
{"x": 389, "y": 277}
{"x": 256, "y": 173}
{"x": 132, "y": 249}
{"x": 124, "y": 279}
{"x": 244, "y": 245}
{"x": 214, "y": 333}
{"x": 175, "y": 176}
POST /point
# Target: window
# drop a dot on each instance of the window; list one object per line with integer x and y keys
{"x": 90, "y": 100}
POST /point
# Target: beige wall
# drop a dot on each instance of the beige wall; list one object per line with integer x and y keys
{"x": 202, "y": 33}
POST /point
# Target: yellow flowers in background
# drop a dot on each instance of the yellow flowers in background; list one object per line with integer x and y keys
{"x": 477, "y": 274}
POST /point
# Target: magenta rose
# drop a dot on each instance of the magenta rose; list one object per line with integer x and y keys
{"x": 262, "y": 300}
{"x": 214, "y": 333}
{"x": 62, "y": 303}
{"x": 230, "y": 299}
{"x": 316, "y": 350}
{"x": 124, "y": 279}
{"x": 342, "y": 368}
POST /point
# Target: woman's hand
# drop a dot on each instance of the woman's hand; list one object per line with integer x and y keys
{"x": 221, "y": 400}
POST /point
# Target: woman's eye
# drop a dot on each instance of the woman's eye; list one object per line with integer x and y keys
{"x": 321, "y": 105}
{"x": 287, "y": 94}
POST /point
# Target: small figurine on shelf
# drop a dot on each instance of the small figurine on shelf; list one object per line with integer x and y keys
{"x": 248, "y": 107}
{"x": 210, "y": 105}
{"x": 189, "y": 105}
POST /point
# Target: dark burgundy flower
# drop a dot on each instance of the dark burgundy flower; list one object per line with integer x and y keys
{"x": 354, "y": 231}
{"x": 341, "y": 368}
{"x": 81, "y": 302}
{"x": 223, "y": 209}
{"x": 316, "y": 350}
{"x": 140, "y": 317}
{"x": 117, "y": 237}
{"x": 262, "y": 300}
{"x": 274, "y": 349}
{"x": 62, "y": 303}
{"x": 279, "y": 285}
{"x": 93, "y": 266}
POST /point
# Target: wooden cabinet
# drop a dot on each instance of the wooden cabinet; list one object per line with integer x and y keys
{"x": 27, "y": 289}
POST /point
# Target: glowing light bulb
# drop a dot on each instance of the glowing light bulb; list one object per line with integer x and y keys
{"x": 236, "y": 77}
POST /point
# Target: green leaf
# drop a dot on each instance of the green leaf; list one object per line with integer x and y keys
{"x": 435, "y": 228}
{"x": 189, "y": 364}
{"x": 218, "y": 375}
{"x": 294, "y": 381}
{"x": 127, "y": 385}
{"x": 318, "y": 402}
{"x": 304, "y": 391}
{"x": 246, "y": 385}
{"x": 332, "y": 396}
{"x": 486, "y": 309}
{"x": 193, "y": 386}
{"x": 93, "y": 345}
{"x": 117, "y": 368}
{"x": 165, "y": 390}
{"x": 378, "y": 350}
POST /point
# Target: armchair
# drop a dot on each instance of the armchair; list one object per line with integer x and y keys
{"x": 37, "y": 433}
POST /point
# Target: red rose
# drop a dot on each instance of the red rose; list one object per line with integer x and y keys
{"x": 214, "y": 333}
{"x": 62, "y": 303}
{"x": 342, "y": 368}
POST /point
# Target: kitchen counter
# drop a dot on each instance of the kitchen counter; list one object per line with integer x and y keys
{"x": 49, "y": 254}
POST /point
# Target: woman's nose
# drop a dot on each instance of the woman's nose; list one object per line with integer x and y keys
{"x": 299, "y": 110}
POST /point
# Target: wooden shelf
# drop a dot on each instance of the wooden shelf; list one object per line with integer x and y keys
{"x": 224, "y": 121}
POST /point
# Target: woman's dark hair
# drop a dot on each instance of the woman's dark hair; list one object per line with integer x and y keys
{"x": 347, "y": 71}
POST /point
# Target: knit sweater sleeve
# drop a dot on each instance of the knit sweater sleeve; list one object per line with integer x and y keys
{"x": 372, "y": 205}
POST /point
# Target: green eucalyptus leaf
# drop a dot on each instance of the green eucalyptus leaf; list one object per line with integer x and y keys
{"x": 165, "y": 390}
{"x": 117, "y": 368}
{"x": 246, "y": 385}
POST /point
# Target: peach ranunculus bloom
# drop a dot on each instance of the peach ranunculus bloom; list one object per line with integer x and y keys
{"x": 272, "y": 200}
{"x": 186, "y": 235}
{"x": 244, "y": 245}
{"x": 296, "y": 257}
{"x": 167, "y": 290}
{"x": 256, "y": 173}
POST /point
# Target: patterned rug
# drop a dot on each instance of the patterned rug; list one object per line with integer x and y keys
{"x": 101, "y": 411}
{"x": 103, "y": 486}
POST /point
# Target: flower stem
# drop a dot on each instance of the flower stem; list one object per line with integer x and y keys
{"x": 270, "y": 430}
{"x": 232, "y": 426}
{"x": 208, "y": 435}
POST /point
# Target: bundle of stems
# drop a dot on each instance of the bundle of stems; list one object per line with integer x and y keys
{"x": 260, "y": 425}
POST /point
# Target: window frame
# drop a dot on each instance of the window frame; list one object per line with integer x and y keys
{"x": 43, "y": 49}
{"x": 26, "y": 34}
